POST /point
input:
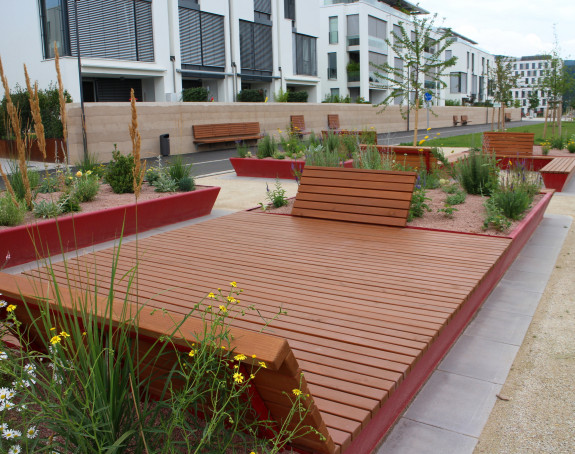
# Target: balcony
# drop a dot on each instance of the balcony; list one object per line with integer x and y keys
{"x": 377, "y": 45}
{"x": 353, "y": 76}
{"x": 333, "y": 37}
{"x": 352, "y": 40}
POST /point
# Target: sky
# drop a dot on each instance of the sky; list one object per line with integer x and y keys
{"x": 514, "y": 28}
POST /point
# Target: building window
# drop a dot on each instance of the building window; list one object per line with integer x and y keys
{"x": 353, "y": 30}
{"x": 398, "y": 65}
{"x": 334, "y": 92}
{"x": 305, "y": 57}
{"x": 262, "y": 11}
{"x": 377, "y": 31}
{"x": 202, "y": 41}
{"x": 333, "y": 30}
{"x": 332, "y": 65}
{"x": 472, "y": 63}
{"x": 122, "y": 31}
{"x": 458, "y": 82}
{"x": 467, "y": 60}
{"x": 256, "y": 52}
{"x": 448, "y": 54}
{"x": 379, "y": 60}
{"x": 289, "y": 9}
{"x": 54, "y": 27}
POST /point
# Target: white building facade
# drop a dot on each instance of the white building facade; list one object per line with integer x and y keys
{"x": 530, "y": 71}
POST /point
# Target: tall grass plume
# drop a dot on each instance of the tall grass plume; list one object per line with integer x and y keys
{"x": 139, "y": 170}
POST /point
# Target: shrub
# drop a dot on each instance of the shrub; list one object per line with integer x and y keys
{"x": 277, "y": 196}
{"x": 456, "y": 199}
{"x": 512, "y": 203}
{"x": 478, "y": 173}
{"x": 48, "y": 185}
{"x": 371, "y": 158}
{"x": 557, "y": 143}
{"x": 119, "y": 173}
{"x": 86, "y": 187}
{"x": 242, "y": 148}
{"x": 452, "y": 102}
{"x": 15, "y": 179}
{"x": 251, "y": 95}
{"x": 571, "y": 145}
{"x": 297, "y": 96}
{"x": 178, "y": 170}
{"x": 195, "y": 94}
{"x": 69, "y": 202}
{"x": 165, "y": 183}
{"x": 332, "y": 142}
{"x": 336, "y": 99}
{"x": 186, "y": 184}
{"x": 267, "y": 146}
{"x": 418, "y": 204}
{"x": 47, "y": 209}
{"x": 10, "y": 214}
{"x": 281, "y": 96}
{"x": 494, "y": 217}
{"x": 319, "y": 156}
{"x": 90, "y": 163}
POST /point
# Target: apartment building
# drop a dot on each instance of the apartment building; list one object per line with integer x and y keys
{"x": 163, "y": 46}
{"x": 530, "y": 71}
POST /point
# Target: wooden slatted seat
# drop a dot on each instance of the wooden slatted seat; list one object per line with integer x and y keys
{"x": 356, "y": 195}
{"x": 333, "y": 121}
{"x": 558, "y": 172}
{"x": 464, "y": 120}
{"x": 297, "y": 125}
{"x": 282, "y": 373}
{"x": 455, "y": 120}
{"x": 226, "y": 132}
{"x": 508, "y": 143}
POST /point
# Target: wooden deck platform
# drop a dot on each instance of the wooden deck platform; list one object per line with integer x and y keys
{"x": 364, "y": 302}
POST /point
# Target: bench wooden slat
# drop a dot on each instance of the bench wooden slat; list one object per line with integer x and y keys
{"x": 559, "y": 165}
{"x": 333, "y": 121}
{"x": 508, "y": 143}
{"x": 226, "y": 132}
{"x": 297, "y": 124}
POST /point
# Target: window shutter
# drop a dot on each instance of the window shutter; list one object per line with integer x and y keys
{"x": 144, "y": 31}
{"x": 263, "y": 53}
{"x": 246, "y": 45}
{"x": 213, "y": 41}
{"x": 190, "y": 39}
{"x": 263, "y": 6}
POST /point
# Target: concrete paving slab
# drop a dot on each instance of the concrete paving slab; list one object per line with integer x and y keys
{"x": 412, "y": 437}
{"x": 454, "y": 402}
{"x": 501, "y": 326}
{"x": 480, "y": 358}
{"x": 508, "y": 298}
{"x": 534, "y": 282}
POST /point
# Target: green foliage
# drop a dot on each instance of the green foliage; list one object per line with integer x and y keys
{"x": 332, "y": 142}
{"x": 336, "y": 99}
{"x": 91, "y": 163}
{"x": 17, "y": 182}
{"x": 297, "y": 96}
{"x": 48, "y": 185}
{"x": 85, "y": 187}
{"x": 242, "y": 148}
{"x": 251, "y": 95}
{"x": 46, "y": 209}
{"x": 267, "y": 146}
{"x": 277, "y": 196}
{"x": 478, "y": 173}
{"x": 281, "y": 96}
{"x": 165, "y": 183}
{"x": 456, "y": 199}
{"x": 571, "y": 145}
{"x": 557, "y": 143}
{"x": 10, "y": 214}
{"x": 178, "y": 170}
{"x": 418, "y": 204}
{"x": 186, "y": 184}
{"x": 49, "y": 110}
{"x": 119, "y": 172}
{"x": 427, "y": 180}
{"x": 512, "y": 203}
{"x": 368, "y": 136}
{"x": 69, "y": 202}
{"x": 452, "y": 102}
{"x": 438, "y": 155}
{"x": 448, "y": 210}
{"x": 494, "y": 217}
{"x": 320, "y": 156}
{"x": 195, "y": 94}
{"x": 371, "y": 158}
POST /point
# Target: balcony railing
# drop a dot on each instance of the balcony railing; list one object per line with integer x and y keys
{"x": 377, "y": 44}
{"x": 332, "y": 73}
{"x": 353, "y": 40}
{"x": 353, "y": 76}
{"x": 333, "y": 37}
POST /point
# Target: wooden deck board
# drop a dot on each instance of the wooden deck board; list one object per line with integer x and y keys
{"x": 364, "y": 302}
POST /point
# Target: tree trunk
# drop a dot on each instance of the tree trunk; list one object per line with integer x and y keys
{"x": 545, "y": 125}
{"x": 559, "y": 115}
{"x": 493, "y": 118}
{"x": 502, "y": 117}
{"x": 553, "y": 119}
{"x": 416, "y": 121}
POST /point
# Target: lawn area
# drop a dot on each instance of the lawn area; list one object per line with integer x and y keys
{"x": 475, "y": 140}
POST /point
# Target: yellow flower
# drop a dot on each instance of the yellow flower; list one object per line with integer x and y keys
{"x": 89, "y": 172}
{"x": 192, "y": 353}
{"x": 53, "y": 328}
{"x": 296, "y": 392}
{"x": 238, "y": 378}
{"x": 438, "y": 134}
{"x": 211, "y": 295}
{"x": 254, "y": 356}
{"x": 233, "y": 284}
{"x": 262, "y": 364}
{"x": 223, "y": 309}
{"x": 421, "y": 141}
{"x": 428, "y": 129}
{"x": 252, "y": 376}
{"x": 11, "y": 308}
{"x": 55, "y": 340}
{"x": 79, "y": 173}
{"x": 64, "y": 334}
{"x": 84, "y": 333}
{"x": 231, "y": 299}
{"x": 426, "y": 137}
{"x": 240, "y": 357}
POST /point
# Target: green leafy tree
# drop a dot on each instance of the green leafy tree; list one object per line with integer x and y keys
{"x": 421, "y": 49}
{"x": 556, "y": 81}
{"x": 502, "y": 80}
{"x": 534, "y": 100}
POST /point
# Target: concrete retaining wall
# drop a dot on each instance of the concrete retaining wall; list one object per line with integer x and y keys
{"x": 107, "y": 123}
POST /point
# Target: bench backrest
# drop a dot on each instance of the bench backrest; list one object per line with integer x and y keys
{"x": 282, "y": 372}
{"x": 333, "y": 121}
{"x": 409, "y": 157}
{"x": 464, "y": 119}
{"x": 209, "y": 131}
{"x": 297, "y": 123}
{"x": 508, "y": 143}
{"x": 455, "y": 119}
{"x": 357, "y": 195}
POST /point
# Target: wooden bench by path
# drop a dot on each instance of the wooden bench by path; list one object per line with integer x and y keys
{"x": 226, "y": 132}
{"x": 514, "y": 144}
{"x": 282, "y": 372}
{"x": 408, "y": 156}
{"x": 456, "y": 120}
{"x": 558, "y": 172}
{"x": 464, "y": 120}
{"x": 356, "y": 195}
{"x": 333, "y": 121}
{"x": 297, "y": 125}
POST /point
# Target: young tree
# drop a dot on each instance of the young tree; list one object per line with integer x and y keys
{"x": 534, "y": 100}
{"x": 556, "y": 82}
{"x": 421, "y": 49}
{"x": 502, "y": 81}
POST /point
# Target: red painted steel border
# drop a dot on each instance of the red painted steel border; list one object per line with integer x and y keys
{"x": 556, "y": 180}
{"x": 372, "y": 435}
{"x": 53, "y": 236}
{"x": 271, "y": 168}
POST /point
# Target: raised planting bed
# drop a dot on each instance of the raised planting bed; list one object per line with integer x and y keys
{"x": 409, "y": 156}
{"x": 558, "y": 172}
{"x": 534, "y": 163}
{"x": 41, "y": 239}
{"x": 271, "y": 168}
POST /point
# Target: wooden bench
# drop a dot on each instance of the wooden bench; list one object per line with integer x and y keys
{"x": 226, "y": 132}
{"x": 455, "y": 120}
{"x": 356, "y": 195}
{"x": 508, "y": 143}
{"x": 281, "y": 374}
{"x": 297, "y": 125}
{"x": 408, "y": 156}
{"x": 558, "y": 172}
{"x": 464, "y": 120}
{"x": 333, "y": 122}
{"x": 507, "y": 117}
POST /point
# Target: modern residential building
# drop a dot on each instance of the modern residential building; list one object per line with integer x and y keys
{"x": 530, "y": 71}
{"x": 163, "y": 46}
